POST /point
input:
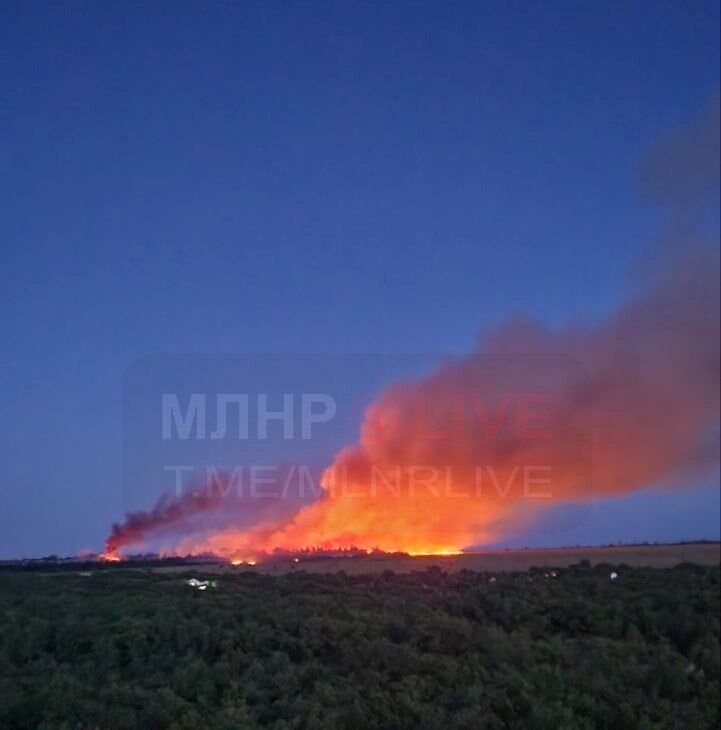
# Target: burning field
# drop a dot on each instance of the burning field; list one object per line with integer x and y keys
{"x": 487, "y": 441}
{"x": 531, "y": 419}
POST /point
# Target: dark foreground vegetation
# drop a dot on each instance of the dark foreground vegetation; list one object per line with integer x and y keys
{"x": 136, "y": 649}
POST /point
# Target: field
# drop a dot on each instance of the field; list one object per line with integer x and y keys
{"x": 423, "y": 647}
{"x": 652, "y": 556}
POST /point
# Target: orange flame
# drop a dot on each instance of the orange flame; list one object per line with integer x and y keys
{"x": 411, "y": 483}
{"x": 653, "y": 382}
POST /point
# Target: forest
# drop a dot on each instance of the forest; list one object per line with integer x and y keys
{"x": 548, "y": 648}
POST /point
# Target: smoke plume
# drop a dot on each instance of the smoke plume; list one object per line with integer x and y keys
{"x": 532, "y": 415}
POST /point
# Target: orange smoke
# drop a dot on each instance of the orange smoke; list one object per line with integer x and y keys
{"x": 446, "y": 461}
{"x": 531, "y": 417}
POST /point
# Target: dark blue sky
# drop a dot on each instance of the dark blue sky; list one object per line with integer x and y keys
{"x": 312, "y": 177}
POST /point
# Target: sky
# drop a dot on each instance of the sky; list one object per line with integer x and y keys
{"x": 349, "y": 177}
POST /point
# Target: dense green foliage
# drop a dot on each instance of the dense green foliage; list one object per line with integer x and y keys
{"x": 135, "y": 649}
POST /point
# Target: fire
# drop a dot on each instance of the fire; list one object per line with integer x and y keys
{"x": 426, "y": 486}
{"x": 376, "y": 494}
{"x": 245, "y": 561}
{"x": 439, "y": 552}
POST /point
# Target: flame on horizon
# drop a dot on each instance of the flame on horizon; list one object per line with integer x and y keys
{"x": 651, "y": 384}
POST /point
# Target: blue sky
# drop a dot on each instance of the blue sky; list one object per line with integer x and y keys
{"x": 312, "y": 177}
